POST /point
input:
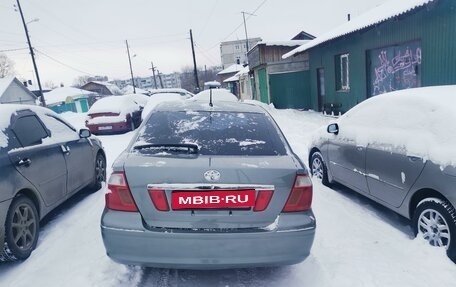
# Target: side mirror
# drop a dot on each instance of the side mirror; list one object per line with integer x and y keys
{"x": 84, "y": 133}
{"x": 333, "y": 129}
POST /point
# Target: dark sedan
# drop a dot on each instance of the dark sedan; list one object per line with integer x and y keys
{"x": 43, "y": 162}
{"x": 399, "y": 150}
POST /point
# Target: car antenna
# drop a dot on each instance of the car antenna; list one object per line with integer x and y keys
{"x": 210, "y": 97}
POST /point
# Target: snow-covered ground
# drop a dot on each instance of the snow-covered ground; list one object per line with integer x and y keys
{"x": 358, "y": 242}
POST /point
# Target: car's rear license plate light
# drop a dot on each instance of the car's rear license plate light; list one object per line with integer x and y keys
{"x": 214, "y": 199}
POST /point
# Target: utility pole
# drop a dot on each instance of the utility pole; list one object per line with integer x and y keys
{"x": 131, "y": 69}
{"x": 245, "y": 29}
{"x": 153, "y": 73}
{"x": 43, "y": 102}
{"x": 195, "y": 71}
{"x": 160, "y": 78}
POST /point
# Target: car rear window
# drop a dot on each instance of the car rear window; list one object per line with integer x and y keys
{"x": 215, "y": 133}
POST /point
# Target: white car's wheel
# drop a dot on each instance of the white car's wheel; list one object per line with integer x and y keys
{"x": 318, "y": 168}
{"x": 435, "y": 221}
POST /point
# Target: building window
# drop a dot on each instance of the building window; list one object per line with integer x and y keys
{"x": 342, "y": 72}
{"x": 237, "y": 47}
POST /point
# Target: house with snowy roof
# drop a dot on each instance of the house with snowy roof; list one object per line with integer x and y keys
{"x": 396, "y": 45}
{"x": 68, "y": 99}
{"x": 276, "y": 80}
{"x": 102, "y": 88}
{"x": 12, "y": 91}
{"x": 227, "y": 73}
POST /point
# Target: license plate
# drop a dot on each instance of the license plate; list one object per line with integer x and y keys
{"x": 213, "y": 199}
{"x": 105, "y": 128}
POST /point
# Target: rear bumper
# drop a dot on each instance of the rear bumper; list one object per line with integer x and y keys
{"x": 109, "y": 128}
{"x": 132, "y": 244}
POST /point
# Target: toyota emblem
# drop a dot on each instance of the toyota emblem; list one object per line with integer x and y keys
{"x": 212, "y": 175}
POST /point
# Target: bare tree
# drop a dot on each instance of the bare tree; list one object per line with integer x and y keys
{"x": 205, "y": 75}
{"x": 80, "y": 81}
{"x": 6, "y": 66}
{"x": 50, "y": 84}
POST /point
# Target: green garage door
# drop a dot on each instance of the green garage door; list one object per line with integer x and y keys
{"x": 263, "y": 79}
{"x": 290, "y": 90}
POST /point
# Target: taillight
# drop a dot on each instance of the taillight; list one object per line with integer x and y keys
{"x": 158, "y": 197}
{"x": 300, "y": 198}
{"x": 262, "y": 200}
{"x": 119, "y": 196}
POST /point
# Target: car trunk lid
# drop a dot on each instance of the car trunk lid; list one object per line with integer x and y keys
{"x": 191, "y": 175}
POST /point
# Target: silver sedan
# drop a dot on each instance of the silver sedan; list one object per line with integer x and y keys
{"x": 208, "y": 187}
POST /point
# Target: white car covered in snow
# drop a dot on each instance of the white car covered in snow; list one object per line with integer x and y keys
{"x": 399, "y": 150}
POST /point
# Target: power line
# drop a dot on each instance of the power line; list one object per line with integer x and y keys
{"x": 203, "y": 53}
{"x": 13, "y": 50}
{"x": 208, "y": 18}
{"x": 239, "y": 26}
{"x": 63, "y": 64}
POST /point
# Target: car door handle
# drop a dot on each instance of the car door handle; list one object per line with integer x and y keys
{"x": 24, "y": 162}
{"x": 414, "y": 158}
{"x": 65, "y": 149}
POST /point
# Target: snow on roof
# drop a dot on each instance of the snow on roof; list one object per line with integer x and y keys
{"x": 231, "y": 69}
{"x": 381, "y": 13}
{"x": 290, "y": 43}
{"x": 59, "y": 95}
{"x": 234, "y": 78}
{"x": 7, "y": 81}
{"x": 244, "y": 71}
{"x": 129, "y": 90}
{"x": 4, "y": 83}
{"x": 111, "y": 87}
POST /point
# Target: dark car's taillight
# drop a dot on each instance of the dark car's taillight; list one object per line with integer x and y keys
{"x": 300, "y": 198}
{"x": 119, "y": 195}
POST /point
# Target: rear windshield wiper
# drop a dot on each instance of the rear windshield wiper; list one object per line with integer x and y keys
{"x": 174, "y": 148}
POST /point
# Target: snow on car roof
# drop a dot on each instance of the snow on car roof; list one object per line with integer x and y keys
{"x": 217, "y": 95}
{"x": 419, "y": 121}
{"x": 114, "y": 104}
{"x": 372, "y": 17}
{"x": 218, "y": 106}
{"x": 6, "y": 110}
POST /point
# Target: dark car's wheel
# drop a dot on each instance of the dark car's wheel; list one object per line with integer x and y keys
{"x": 21, "y": 230}
{"x": 318, "y": 168}
{"x": 99, "y": 173}
{"x": 435, "y": 221}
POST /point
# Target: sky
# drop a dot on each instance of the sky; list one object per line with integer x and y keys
{"x": 87, "y": 37}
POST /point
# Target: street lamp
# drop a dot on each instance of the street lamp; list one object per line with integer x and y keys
{"x": 43, "y": 102}
{"x": 34, "y": 20}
